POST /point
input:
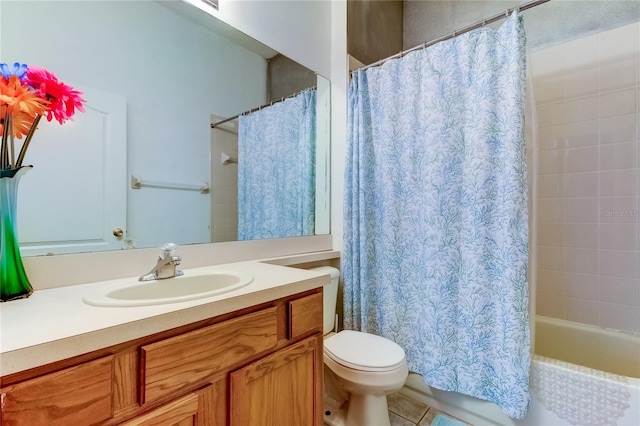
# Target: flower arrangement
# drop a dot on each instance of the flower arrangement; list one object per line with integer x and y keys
{"x": 28, "y": 93}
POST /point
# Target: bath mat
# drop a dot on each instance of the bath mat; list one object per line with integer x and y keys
{"x": 442, "y": 420}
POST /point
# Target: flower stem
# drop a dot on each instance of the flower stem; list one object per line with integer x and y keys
{"x": 12, "y": 149}
{"x": 4, "y": 147}
{"x": 27, "y": 140}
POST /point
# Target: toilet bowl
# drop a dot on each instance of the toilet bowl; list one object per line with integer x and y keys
{"x": 364, "y": 366}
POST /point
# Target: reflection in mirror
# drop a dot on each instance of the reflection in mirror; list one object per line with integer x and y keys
{"x": 155, "y": 75}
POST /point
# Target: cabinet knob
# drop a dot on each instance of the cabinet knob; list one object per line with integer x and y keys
{"x": 118, "y": 232}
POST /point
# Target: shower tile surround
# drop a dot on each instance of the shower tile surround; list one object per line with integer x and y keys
{"x": 224, "y": 182}
{"x": 587, "y": 96}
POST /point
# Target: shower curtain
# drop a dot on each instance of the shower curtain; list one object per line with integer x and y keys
{"x": 435, "y": 220}
{"x": 276, "y": 169}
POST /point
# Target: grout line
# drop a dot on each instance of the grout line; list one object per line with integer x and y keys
{"x": 424, "y": 415}
{"x": 400, "y": 415}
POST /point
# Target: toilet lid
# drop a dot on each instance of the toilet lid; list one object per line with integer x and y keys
{"x": 364, "y": 351}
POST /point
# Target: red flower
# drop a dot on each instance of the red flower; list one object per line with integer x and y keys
{"x": 63, "y": 99}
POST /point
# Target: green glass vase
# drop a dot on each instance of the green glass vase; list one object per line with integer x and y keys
{"x": 14, "y": 283}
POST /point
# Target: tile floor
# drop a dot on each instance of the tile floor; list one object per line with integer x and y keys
{"x": 404, "y": 411}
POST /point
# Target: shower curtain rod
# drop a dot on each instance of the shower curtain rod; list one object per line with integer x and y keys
{"x": 458, "y": 32}
{"x": 214, "y": 125}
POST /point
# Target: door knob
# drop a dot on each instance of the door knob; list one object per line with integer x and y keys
{"x": 118, "y": 232}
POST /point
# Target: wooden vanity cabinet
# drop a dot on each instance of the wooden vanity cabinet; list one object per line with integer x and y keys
{"x": 258, "y": 366}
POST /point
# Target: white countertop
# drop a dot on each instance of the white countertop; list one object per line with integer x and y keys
{"x": 55, "y": 324}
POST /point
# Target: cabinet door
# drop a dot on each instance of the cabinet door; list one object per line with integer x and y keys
{"x": 213, "y": 403}
{"x": 182, "y": 412}
{"x": 284, "y": 388}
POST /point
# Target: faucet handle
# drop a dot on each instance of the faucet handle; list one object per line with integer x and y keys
{"x": 168, "y": 249}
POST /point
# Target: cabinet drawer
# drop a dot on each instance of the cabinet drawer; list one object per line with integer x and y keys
{"x": 168, "y": 365}
{"x": 79, "y": 395}
{"x": 305, "y": 315}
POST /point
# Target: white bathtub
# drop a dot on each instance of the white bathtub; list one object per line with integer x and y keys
{"x": 561, "y": 348}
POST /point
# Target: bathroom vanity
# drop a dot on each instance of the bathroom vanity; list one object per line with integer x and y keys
{"x": 254, "y": 357}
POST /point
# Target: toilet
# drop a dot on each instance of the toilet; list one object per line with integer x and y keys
{"x": 362, "y": 367}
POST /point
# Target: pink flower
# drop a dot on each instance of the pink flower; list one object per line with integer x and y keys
{"x": 63, "y": 99}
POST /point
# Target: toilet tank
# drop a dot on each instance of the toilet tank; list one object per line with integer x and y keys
{"x": 330, "y": 297}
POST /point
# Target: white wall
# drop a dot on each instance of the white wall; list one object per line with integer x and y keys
{"x": 174, "y": 74}
{"x": 299, "y": 29}
{"x": 339, "y": 86}
{"x": 313, "y": 33}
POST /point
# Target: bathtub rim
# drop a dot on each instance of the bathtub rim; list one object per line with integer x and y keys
{"x": 476, "y": 411}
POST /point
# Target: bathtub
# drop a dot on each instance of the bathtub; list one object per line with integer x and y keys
{"x": 570, "y": 358}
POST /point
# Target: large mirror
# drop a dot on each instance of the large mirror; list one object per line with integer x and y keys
{"x": 143, "y": 165}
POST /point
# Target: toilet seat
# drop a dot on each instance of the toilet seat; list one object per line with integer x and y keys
{"x": 364, "y": 352}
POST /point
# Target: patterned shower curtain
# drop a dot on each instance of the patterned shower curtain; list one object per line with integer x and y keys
{"x": 276, "y": 169}
{"x": 435, "y": 245}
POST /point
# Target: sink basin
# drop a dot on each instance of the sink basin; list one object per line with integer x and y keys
{"x": 190, "y": 286}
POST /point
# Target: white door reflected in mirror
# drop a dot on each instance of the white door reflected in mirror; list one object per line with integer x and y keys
{"x": 76, "y": 194}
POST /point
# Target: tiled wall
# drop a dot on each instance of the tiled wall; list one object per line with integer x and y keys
{"x": 224, "y": 182}
{"x": 587, "y": 94}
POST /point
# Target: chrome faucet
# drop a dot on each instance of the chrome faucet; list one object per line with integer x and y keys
{"x": 166, "y": 266}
